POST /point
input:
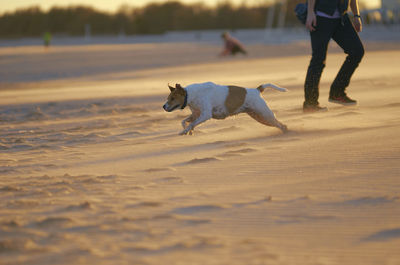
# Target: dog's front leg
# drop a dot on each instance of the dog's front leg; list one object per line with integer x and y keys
{"x": 188, "y": 119}
{"x": 205, "y": 115}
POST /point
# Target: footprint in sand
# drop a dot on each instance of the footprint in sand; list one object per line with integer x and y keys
{"x": 170, "y": 180}
{"x": 10, "y": 188}
{"x": 196, "y": 161}
{"x": 202, "y": 160}
{"x": 198, "y": 209}
{"x": 193, "y": 243}
{"x": 145, "y": 204}
{"x": 235, "y": 144}
{"x": 302, "y": 218}
{"x": 228, "y": 129}
{"x": 252, "y": 203}
{"x": 371, "y": 201}
{"x": 239, "y": 152}
{"x": 13, "y": 223}
{"x": 82, "y": 206}
{"x": 19, "y": 245}
{"x": 54, "y": 222}
{"x": 158, "y": 169}
{"x": 192, "y": 221}
{"x": 22, "y": 204}
{"x": 384, "y": 235}
{"x": 3, "y": 147}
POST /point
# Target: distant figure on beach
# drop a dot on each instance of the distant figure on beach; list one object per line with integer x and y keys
{"x": 46, "y": 39}
{"x": 328, "y": 19}
{"x": 231, "y": 45}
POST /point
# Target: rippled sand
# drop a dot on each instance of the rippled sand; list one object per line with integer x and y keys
{"x": 93, "y": 171}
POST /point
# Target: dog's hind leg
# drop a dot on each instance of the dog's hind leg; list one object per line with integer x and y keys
{"x": 267, "y": 118}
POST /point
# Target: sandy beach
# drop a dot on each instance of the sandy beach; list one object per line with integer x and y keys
{"x": 93, "y": 171}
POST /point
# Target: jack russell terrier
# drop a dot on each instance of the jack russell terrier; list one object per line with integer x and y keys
{"x": 209, "y": 100}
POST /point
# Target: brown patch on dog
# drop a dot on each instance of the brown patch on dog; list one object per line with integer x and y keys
{"x": 235, "y": 98}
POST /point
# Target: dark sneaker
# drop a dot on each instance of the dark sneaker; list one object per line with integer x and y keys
{"x": 313, "y": 108}
{"x": 344, "y": 100}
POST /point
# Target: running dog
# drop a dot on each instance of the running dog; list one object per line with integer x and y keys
{"x": 209, "y": 100}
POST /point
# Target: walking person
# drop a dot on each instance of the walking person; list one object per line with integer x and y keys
{"x": 326, "y": 20}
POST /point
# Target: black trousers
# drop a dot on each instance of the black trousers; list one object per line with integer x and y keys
{"x": 344, "y": 34}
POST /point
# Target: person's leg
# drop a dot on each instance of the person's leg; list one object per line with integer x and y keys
{"x": 347, "y": 38}
{"x": 235, "y": 49}
{"x": 319, "y": 44}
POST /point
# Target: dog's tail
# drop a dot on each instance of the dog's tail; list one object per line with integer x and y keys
{"x": 261, "y": 88}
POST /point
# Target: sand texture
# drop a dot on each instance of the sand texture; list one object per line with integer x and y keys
{"x": 93, "y": 171}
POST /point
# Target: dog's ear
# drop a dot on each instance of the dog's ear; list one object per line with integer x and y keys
{"x": 180, "y": 89}
{"x": 171, "y": 88}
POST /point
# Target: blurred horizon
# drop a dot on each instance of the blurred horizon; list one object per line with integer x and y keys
{"x": 153, "y": 18}
{"x": 114, "y": 6}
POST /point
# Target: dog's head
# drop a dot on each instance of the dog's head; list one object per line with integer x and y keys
{"x": 176, "y": 99}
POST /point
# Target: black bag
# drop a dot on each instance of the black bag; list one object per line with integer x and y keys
{"x": 301, "y": 12}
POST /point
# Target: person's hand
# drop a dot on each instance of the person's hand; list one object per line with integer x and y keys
{"x": 311, "y": 21}
{"x": 357, "y": 24}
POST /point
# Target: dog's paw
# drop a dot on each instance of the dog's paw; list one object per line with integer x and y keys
{"x": 284, "y": 128}
{"x": 186, "y": 132}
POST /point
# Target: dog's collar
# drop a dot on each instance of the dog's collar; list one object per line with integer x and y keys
{"x": 185, "y": 101}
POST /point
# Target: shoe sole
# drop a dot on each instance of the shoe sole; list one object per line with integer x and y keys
{"x": 342, "y": 103}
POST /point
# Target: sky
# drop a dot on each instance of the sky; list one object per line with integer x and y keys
{"x": 113, "y": 5}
